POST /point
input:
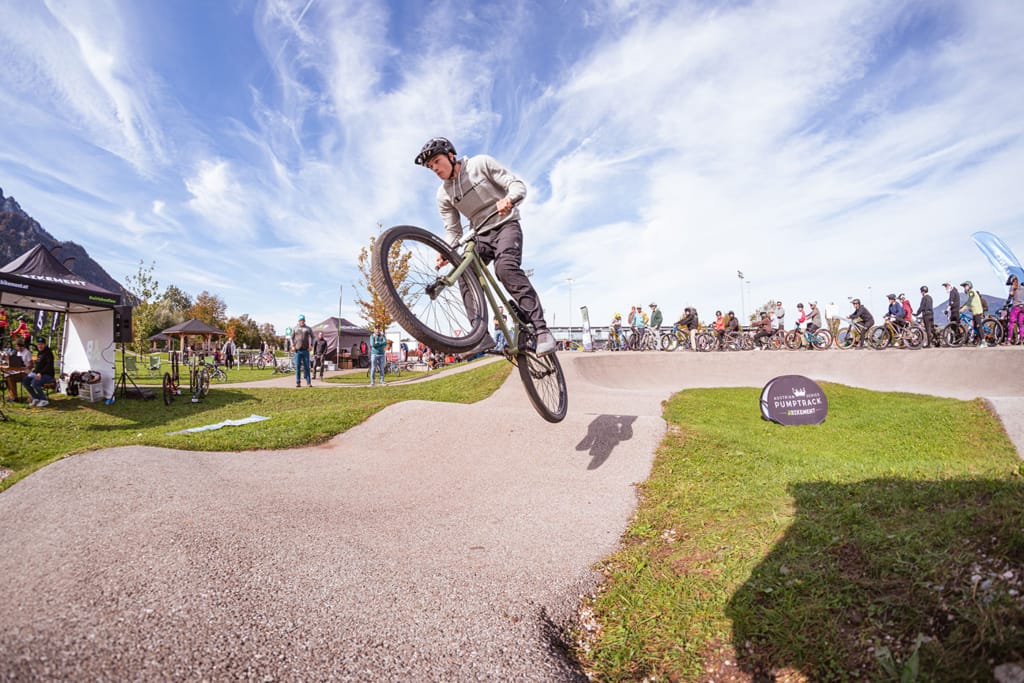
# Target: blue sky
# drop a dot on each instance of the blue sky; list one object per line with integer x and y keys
{"x": 825, "y": 149}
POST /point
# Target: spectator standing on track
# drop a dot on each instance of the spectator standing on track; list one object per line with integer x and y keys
{"x": 780, "y": 316}
{"x": 656, "y": 317}
{"x": 976, "y": 308}
{"x": 1015, "y": 300}
{"x": 926, "y": 312}
{"x": 953, "y": 308}
{"x": 378, "y": 345}
{"x": 302, "y": 342}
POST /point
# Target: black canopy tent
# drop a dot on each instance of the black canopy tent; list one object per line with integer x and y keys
{"x": 37, "y": 280}
{"x": 340, "y": 334}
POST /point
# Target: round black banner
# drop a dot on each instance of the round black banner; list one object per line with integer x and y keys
{"x": 793, "y": 400}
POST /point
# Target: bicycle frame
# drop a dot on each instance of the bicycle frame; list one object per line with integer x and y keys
{"x": 491, "y": 286}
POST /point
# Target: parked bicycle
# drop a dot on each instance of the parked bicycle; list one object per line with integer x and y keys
{"x": 217, "y": 373}
{"x": 962, "y": 332}
{"x": 446, "y": 308}
{"x": 198, "y": 381}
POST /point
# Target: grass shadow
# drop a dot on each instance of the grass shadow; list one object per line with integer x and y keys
{"x": 872, "y": 572}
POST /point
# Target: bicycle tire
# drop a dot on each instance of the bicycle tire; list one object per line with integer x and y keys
{"x": 668, "y": 342}
{"x": 878, "y": 337}
{"x": 203, "y": 383}
{"x": 846, "y": 338}
{"x": 821, "y": 339}
{"x": 953, "y": 335}
{"x": 992, "y": 331}
{"x": 913, "y": 336}
{"x": 792, "y": 340}
{"x": 260, "y": 363}
{"x": 168, "y": 389}
{"x": 545, "y": 384}
{"x": 448, "y": 319}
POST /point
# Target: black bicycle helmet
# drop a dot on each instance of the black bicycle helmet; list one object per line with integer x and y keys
{"x": 924, "y": 289}
{"x": 432, "y": 148}
{"x": 1009, "y": 280}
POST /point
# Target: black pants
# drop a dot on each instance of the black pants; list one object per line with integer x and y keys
{"x": 929, "y": 329}
{"x": 505, "y": 248}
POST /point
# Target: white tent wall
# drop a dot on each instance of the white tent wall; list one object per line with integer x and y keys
{"x": 89, "y": 345}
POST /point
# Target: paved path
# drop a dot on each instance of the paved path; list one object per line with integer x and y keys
{"x": 384, "y": 554}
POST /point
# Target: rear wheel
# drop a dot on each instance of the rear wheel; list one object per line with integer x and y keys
{"x": 545, "y": 384}
{"x": 168, "y": 387}
{"x": 953, "y": 335}
{"x": 404, "y": 271}
{"x": 669, "y": 342}
{"x": 204, "y": 383}
{"x": 913, "y": 336}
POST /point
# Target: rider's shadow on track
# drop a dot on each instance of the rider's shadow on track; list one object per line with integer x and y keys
{"x": 603, "y": 435}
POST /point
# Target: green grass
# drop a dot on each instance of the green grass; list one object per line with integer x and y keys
{"x": 35, "y": 437}
{"x": 823, "y": 552}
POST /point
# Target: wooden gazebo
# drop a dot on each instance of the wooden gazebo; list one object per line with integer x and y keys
{"x": 190, "y": 328}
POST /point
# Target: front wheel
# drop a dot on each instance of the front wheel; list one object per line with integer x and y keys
{"x": 953, "y": 335}
{"x": 821, "y": 339}
{"x": 447, "y": 318}
{"x": 168, "y": 388}
{"x": 545, "y": 384}
{"x": 878, "y": 337}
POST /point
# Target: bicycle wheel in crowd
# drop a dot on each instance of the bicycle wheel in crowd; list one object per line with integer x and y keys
{"x": 705, "y": 341}
{"x": 878, "y": 337}
{"x": 993, "y": 331}
{"x": 953, "y": 335}
{"x": 404, "y": 270}
{"x": 260, "y": 363}
{"x": 913, "y": 336}
{"x": 203, "y": 384}
{"x": 821, "y": 339}
{"x": 545, "y": 384}
{"x": 792, "y": 340}
{"x": 168, "y": 387}
{"x": 669, "y": 342}
{"x": 846, "y": 338}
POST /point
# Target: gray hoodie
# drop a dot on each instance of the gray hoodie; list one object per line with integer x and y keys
{"x": 473, "y": 192}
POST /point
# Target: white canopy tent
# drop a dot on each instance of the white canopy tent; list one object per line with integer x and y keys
{"x": 37, "y": 280}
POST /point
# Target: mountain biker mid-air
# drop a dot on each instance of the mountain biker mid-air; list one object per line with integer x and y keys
{"x": 475, "y": 187}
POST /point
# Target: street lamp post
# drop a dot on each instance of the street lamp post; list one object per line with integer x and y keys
{"x": 570, "y": 281}
{"x": 743, "y": 304}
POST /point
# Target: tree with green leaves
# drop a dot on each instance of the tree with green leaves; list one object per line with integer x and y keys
{"x": 144, "y": 289}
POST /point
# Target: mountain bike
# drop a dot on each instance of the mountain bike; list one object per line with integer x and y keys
{"x": 820, "y": 339}
{"x": 616, "y": 340}
{"x": 642, "y": 339}
{"x": 446, "y": 307}
{"x": 850, "y": 337}
{"x": 216, "y": 372}
{"x": 909, "y": 335}
{"x": 963, "y": 332}
{"x": 198, "y": 381}
{"x": 677, "y": 338}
